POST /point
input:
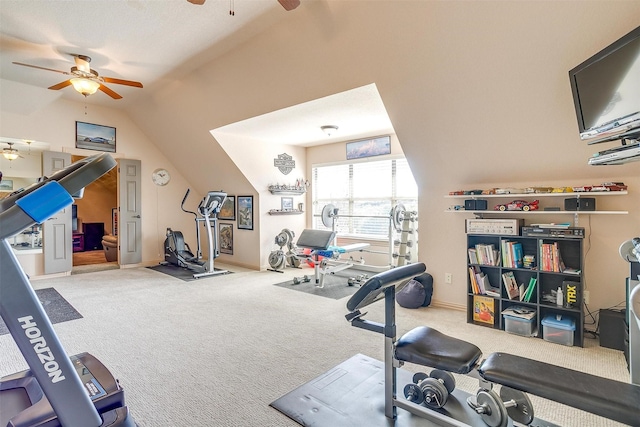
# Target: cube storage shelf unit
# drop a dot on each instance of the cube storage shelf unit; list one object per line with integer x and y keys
{"x": 571, "y": 252}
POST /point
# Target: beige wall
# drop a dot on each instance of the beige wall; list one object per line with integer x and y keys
{"x": 477, "y": 92}
{"x": 55, "y": 123}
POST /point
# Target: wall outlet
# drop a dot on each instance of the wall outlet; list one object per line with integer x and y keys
{"x": 586, "y": 297}
{"x": 447, "y": 278}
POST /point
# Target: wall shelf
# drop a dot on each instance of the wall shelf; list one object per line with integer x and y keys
{"x": 280, "y": 212}
{"x": 536, "y": 195}
{"x": 289, "y": 192}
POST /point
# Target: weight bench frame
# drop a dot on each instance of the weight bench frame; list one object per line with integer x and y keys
{"x": 611, "y": 399}
{"x": 320, "y": 241}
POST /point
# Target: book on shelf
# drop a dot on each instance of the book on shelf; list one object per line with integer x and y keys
{"x": 485, "y": 254}
{"x": 483, "y": 309}
{"x": 529, "y": 291}
{"x": 510, "y": 285}
{"x": 551, "y": 257}
{"x": 512, "y": 254}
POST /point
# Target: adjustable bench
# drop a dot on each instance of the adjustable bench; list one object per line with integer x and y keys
{"x": 426, "y": 346}
{"x": 319, "y": 241}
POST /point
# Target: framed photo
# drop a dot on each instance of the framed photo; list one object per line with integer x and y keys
{"x": 369, "y": 147}
{"x": 95, "y": 137}
{"x": 245, "y": 212}
{"x": 226, "y": 238}
{"x": 6, "y": 185}
{"x": 228, "y": 209}
{"x": 286, "y": 203}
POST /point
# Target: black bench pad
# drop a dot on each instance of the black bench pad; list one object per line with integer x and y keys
{"x": 601, "y": 396}
{"x": 428, "y": 347}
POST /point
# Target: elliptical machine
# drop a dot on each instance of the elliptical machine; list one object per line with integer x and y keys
{"x": 178, "y": 253}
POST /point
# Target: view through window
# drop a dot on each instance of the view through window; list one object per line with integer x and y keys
{"x": 364, "y": 193}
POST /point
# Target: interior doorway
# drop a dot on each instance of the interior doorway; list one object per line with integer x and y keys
{"x": 94, "y": 216}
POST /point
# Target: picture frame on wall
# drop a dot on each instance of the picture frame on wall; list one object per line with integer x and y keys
{"x": 6, "y": 185}
{"x": 228, "y": 209}
{"x": 245, "y": 212}
{"x": 225, "y": 237}
{"x": 90, "y": 136}
{"x": 286, "y": 203}
{"x": 369, "y": 147}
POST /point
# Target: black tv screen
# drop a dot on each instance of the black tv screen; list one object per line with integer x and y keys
{"x": 606, "y": 91}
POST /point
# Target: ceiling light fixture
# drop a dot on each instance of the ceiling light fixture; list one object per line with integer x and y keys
{"x": 329, "y": 129}
{"x": 85, "y": 86}
{"x": 10, "y": 153}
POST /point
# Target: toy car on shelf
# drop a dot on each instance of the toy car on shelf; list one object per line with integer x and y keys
{"x": 509, "y": 190}
{"x": 610, "y": 186}
{"x": 518, "y": 205}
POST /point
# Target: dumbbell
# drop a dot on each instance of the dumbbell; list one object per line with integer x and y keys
{"x": 298, "y": 280}
{"x": 433, "y": 390}
{"x": 495, "y": 409}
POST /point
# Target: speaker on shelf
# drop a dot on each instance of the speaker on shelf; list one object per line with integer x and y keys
{"x": 580, "y": 204}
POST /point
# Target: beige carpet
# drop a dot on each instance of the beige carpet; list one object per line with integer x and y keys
{"x": 218, "y": 350}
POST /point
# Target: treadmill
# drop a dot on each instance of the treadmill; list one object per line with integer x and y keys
{"x": 57, "y": 390}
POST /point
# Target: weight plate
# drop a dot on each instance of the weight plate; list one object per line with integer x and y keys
{"x": 495, "y": 414}
{"x": 435, "y": 393}
{"x": 397, "y": 216}
{"x": 413, "y": 393}
{"x": 329, "y": 212}
{"x": 419, "y": 376}
{"x": 276, "y": 259}
{"x": 447, "y": 379}
{"x": 522, "y": 412}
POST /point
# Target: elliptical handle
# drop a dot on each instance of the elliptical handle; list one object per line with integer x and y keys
{"x": 184, "y": 199}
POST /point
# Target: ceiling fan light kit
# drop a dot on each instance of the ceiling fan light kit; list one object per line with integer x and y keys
{"x": 85, "y": 86}
{"x": 10, "y": 153}
{"x": 85, "y": 80}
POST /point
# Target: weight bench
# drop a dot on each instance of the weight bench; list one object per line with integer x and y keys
{"x": 319, "y": 242}
{"x": 426, "y": 346}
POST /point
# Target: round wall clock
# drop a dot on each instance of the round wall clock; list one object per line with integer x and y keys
{"x": 160, "y": 176}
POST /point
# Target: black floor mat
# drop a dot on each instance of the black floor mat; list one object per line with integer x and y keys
{"x": 178, "y": 272}
{"x": 335, "y": 287}
{"x": 56, "y": 307}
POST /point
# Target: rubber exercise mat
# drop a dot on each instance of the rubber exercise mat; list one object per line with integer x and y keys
{"x": 56, "y": 307}
{"x": 178, "y": 272}
{"x": 335, "y": 287}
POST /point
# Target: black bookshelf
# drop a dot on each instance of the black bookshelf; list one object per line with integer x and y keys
{"x": 571, "y": 252}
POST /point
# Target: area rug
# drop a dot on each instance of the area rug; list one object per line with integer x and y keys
{"x": 56, "y": 307}
{"x": 335, "y": 287}
{"x": 178, "y": 272}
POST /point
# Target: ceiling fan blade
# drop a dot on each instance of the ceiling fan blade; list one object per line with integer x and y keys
{"x": 289, "y": 4}
{"x": 42, "y": 68}
{"x": 122, "y": 82}
{"x": 110, "y": 92}
{"x": 196, "y": 1}
{"x": 61, "y": 85}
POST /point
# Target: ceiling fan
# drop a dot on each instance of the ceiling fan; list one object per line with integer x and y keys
{"x": 287, "y": 4}
{"x": 85, "y": 80}
{"x": 9, "y": 152}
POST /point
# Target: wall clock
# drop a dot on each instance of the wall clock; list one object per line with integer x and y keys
{"x": 160, "y": 177}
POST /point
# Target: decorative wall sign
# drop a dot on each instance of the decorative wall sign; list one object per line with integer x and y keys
{"x": 284, "y": 163}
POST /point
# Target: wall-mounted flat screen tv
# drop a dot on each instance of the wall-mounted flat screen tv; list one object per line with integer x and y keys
{"x": 606, "y": 92}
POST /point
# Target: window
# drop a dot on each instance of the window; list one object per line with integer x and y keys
{"x": 364, "y": 193}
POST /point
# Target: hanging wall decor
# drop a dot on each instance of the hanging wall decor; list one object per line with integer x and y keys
{"x": 284, "y": 163}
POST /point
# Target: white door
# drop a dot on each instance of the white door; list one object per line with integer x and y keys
{"x": 57, "y": 243}
{"x": 129, "y": 218}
